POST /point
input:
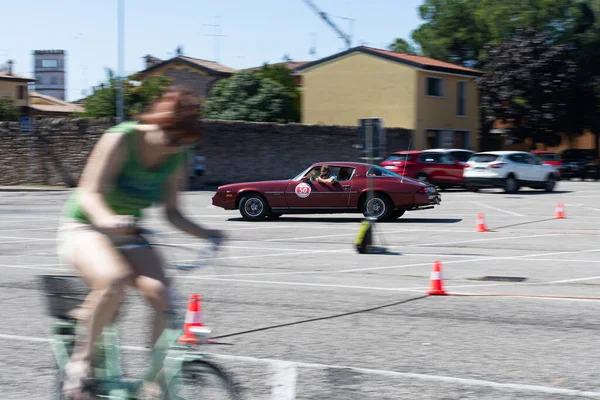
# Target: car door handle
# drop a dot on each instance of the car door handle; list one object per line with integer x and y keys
{"x": 346, "y": 186}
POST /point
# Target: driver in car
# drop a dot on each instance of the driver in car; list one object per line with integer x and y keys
{"x": 326, "y": 175}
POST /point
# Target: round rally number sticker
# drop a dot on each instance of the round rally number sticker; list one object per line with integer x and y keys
{"x": 303, "y": 190}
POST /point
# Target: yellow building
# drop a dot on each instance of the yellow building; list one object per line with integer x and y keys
{"x": 193, "y": 73}
{"x": 14, "y": 87}
{"x": 437, "y": 101}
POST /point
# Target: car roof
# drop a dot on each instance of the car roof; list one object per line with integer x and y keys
{"x": 449, "y": 150}
{"x": 342, "y": 163}
{"x": 501, "y": 153}
{"x": 543, "y": 151}
{"x": 407, "y": 152}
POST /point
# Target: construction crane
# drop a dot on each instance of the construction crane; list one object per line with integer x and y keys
{"x": 345, "y": 37}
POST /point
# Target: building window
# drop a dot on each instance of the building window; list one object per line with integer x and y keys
{"x": 20, "y": 92}
{"x": 54, "y": 80}
{"x": 49, "y": 63}
{"x": 461, "y": 108}
{"x": 434, "y": 87}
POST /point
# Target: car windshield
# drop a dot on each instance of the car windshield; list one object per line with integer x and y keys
{"x": 574, "y": 154}
{"x": 398, "y": 157}
{"x": 461, "y": 155}
{"x": 483, "y": 158}
{"x": 300, "y": 175}
{"x": 378, "y": 171}
{"x": 548, "y": 156}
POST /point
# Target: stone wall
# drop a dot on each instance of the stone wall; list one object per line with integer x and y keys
{"x": 235, "y": 151}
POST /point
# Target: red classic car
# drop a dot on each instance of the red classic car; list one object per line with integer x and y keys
{"x": 359, "y": 188}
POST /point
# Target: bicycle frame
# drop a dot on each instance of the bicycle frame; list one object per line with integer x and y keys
{"x": 167, "y": 357}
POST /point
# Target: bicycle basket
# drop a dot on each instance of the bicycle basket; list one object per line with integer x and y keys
{"x": 63, "y": 293}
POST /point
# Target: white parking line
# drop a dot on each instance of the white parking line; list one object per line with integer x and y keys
{"x": 497, "y": 209}
{"x": 283, "y": 380}
{"x": 366, "y": 371}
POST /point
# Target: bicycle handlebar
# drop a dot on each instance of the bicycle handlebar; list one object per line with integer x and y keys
{"x": 215, "y": 245}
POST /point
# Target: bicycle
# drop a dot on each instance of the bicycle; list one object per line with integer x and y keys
{"x": 172, "y": 365}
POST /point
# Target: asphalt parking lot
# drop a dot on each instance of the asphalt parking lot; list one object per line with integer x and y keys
{"x": 301, "y": 315}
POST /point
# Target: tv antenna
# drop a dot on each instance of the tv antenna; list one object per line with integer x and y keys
{"x": 217, "y": 35}
{"x": 313, "y": 45}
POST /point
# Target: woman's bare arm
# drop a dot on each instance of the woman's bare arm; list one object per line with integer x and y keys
{"x": 175, "y": 216}
{"x": 103, "y": 164}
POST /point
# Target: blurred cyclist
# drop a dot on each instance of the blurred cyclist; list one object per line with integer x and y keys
{"x": 134, "y": 165}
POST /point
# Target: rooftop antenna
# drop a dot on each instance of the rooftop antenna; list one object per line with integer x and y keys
{"x": 313, "y": 45}
{"x": 217, "y": 34}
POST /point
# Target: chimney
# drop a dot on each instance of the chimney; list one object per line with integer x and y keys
{"x": 10, "y": 67}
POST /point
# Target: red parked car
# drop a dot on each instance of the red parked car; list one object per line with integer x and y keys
{"x": 550, "y": 158}
{"x": 441, "y": 167}
{"x": 390, "y": 196}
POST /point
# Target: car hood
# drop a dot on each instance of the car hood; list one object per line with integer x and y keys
{"x": 234, "y": 187}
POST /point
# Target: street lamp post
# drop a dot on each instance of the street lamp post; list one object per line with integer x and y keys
{"x": 120, "y": 95}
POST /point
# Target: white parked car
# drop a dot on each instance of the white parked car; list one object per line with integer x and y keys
{"x": 509, "y": 170}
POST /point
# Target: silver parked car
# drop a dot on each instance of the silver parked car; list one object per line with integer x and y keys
{"x": 509, "y": 170}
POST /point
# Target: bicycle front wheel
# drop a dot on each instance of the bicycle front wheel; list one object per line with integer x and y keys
{"x": 204, "y": 380}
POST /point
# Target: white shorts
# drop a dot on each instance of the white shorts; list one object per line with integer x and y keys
{"x": 70, "y": 234}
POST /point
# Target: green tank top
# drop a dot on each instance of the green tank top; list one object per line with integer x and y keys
{"x": 136, "y": 187}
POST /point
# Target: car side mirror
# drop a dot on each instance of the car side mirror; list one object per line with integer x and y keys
{"x": 304, "y": 179}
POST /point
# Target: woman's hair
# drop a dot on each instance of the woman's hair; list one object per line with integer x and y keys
{"x": 176, "y": 111}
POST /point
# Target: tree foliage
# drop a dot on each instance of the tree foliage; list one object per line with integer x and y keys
{"x": 8, "y": 110}
{"x": 250, "y": 97}
{"x": 137, "y": 95}
{"x": 462, "y": 31}
{"x": 458, "y": 30}
{"x": 281, "y": 74}
{"x": 529, "y": 83}
{"x": 402, "y": 46}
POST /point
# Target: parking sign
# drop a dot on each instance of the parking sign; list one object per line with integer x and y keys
{"x": 26, "y": 124}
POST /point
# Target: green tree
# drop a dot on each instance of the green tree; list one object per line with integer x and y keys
{"x": 8, "y": 110}
{"x": 138, "y": 95}
{"x": 250, "y": 97}
{"x": 402, "y": 46}
{"x": 458, "y": 30}
{"x": 283, "y": 75}
{"x": 529, "y": 82}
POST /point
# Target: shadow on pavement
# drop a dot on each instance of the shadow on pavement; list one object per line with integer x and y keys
{"x": 353, "y": 220}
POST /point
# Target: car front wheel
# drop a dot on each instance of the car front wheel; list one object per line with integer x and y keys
{"x": 254, "y": 208}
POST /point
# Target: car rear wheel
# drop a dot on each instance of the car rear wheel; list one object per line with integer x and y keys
{"x": 379, "y": 206}
{"x": 254, "y": 207}
{"x": 550, "y": 183}
{"x": 511, "y": 185}
{"x": 397, "y": 213}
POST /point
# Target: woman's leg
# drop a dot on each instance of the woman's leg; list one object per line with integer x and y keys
{"x": 107, "y": 272}
{"x": 151, "y": 281}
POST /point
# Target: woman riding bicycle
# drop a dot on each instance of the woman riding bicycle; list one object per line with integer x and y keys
{"x": 134, "y": 165}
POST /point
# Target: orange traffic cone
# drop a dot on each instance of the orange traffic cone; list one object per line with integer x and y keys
{"x": 435, "y": 284}
{"x": 481, "y": 223}
{"x": 193, "y": 318}
{"x": 560, "y": 211}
